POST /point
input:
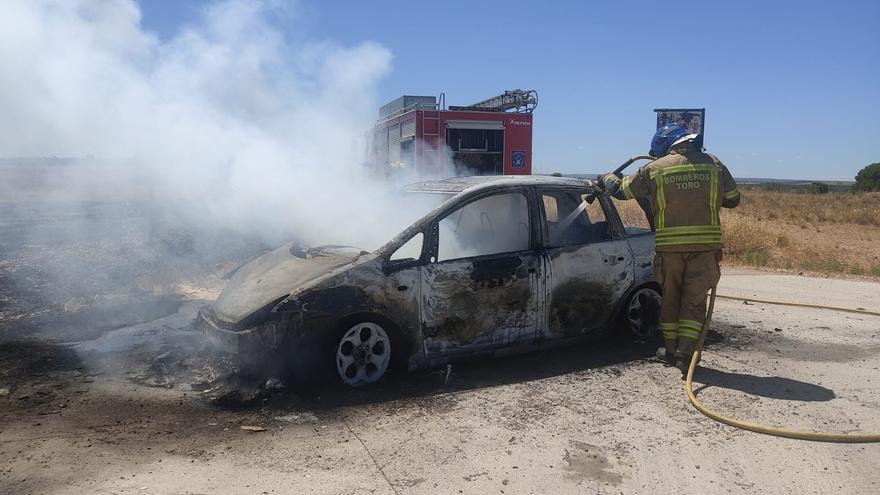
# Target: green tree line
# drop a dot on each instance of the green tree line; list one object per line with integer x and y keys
{"x": 868, "y": 178}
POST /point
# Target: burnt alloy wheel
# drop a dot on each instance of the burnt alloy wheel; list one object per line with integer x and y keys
{"x": 642, "y": 316}
{"x": 363, "y": 354}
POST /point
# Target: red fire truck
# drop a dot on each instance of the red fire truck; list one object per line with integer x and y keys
{"x": 418, "y": 137}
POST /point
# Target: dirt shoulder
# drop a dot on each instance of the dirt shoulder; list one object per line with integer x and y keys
{"x": 603, "y": 418}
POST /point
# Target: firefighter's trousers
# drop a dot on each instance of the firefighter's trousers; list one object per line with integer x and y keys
{"x": 685, "y": 278}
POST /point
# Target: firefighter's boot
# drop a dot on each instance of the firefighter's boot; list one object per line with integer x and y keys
{"x": 666, "y": 357}
{"x": 683, "y": 362}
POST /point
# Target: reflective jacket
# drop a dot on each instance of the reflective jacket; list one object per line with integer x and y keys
{"x": 686, "y": 187}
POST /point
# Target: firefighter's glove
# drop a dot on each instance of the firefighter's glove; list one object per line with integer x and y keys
{"x": 608, "y": 182}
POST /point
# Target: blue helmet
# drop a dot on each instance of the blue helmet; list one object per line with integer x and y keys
{"x": 665, "y": 137}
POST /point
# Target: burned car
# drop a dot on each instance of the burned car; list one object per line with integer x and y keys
{"x": 503, "y": 264}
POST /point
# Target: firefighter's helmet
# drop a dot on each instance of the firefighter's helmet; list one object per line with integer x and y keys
{"x": 666, "y": 136}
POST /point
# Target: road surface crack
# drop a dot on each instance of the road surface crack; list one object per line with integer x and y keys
{"x": 367, "y": 450}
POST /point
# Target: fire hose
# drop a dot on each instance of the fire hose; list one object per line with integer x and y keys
{"x": 767, "y": 430}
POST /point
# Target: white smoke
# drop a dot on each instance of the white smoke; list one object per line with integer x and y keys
{"x": 229, "y": 122}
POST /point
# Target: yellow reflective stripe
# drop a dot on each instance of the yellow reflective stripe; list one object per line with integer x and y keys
{"x": 684, "y": 241}
{"x": 688, "y": 240}
{"x": 624, "y": 185}
{"x": 670, "y": 237}
{"x": 701, "y": 234}
{"x": 696, "y": 167}
{"x": 687, "y": 228}
{"x": 713, "y": 196}
{"x": 668, "y": 325}
{"x": 696, "y": 229}
{"x": 687, "y": 236}
{"x": 661, "y": 203}
{"x": 689, "y": 167}
{"x": 609, "y": 180}
{"x": 731, "y": 194}
{"x": 690, "y": 329}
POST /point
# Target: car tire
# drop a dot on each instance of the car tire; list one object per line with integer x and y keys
{"x": 641, "y": 314}
{"x": 362, "y": 351}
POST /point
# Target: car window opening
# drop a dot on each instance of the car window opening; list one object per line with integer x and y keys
{"x": 491, "y": 225}
{"x": 634, "y": 218}
{"x": 571, "y": 220}
{"x": 411, "y": 250}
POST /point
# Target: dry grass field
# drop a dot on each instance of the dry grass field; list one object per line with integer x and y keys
{"x": 834, "y": 233}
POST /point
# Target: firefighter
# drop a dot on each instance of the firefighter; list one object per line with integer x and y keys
{"x": 685, "y": 187}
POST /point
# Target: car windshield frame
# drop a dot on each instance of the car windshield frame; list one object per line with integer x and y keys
{"x": 420, "y": 225}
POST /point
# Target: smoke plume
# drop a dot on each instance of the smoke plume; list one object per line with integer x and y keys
{"x": 230, "y": 122}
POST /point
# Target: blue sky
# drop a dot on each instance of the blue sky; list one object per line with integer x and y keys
{"x": 791, "y": 89}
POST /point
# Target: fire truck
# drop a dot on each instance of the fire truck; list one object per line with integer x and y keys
{"x": 418, "y": 137}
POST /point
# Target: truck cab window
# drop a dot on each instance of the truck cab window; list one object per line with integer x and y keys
{"x": 476, "y": 151}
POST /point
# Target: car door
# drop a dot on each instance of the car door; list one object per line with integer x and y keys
{"x": 481, "y": 289}
{"x": 589, "y": 263}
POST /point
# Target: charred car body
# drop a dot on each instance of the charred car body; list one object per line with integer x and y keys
{"x": 503, "y": 264}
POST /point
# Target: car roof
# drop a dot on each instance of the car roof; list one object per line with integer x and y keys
{"x": 456, "y": 185}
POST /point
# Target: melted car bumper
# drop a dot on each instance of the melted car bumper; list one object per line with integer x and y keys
{"x": 227, "y": 338}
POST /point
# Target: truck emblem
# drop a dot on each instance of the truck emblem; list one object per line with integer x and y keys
{"x": 518, "y": 159}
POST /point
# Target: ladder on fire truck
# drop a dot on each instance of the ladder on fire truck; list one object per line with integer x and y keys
{"x": 518, "y": 100}
{"x": 434, "y": 117}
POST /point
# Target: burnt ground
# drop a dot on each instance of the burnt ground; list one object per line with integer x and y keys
{"x": 105, "y": 388}
{"x": 75, "y": 270}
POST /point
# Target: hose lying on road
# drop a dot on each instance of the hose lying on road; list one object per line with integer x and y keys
{"x": 767, "y": 430}
{"x": 801, "y": 305}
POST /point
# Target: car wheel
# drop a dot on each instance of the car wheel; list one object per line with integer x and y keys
{"x": 363, "y": 354}
{"x": 642, "y": 316}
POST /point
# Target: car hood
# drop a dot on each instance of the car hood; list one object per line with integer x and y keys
{"x": 273, "y": 276}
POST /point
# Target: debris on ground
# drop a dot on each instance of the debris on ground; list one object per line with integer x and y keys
{"x": 273, "y": 384}
{"x": 179, "y": 359}
{"x": 298, "y": 418}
